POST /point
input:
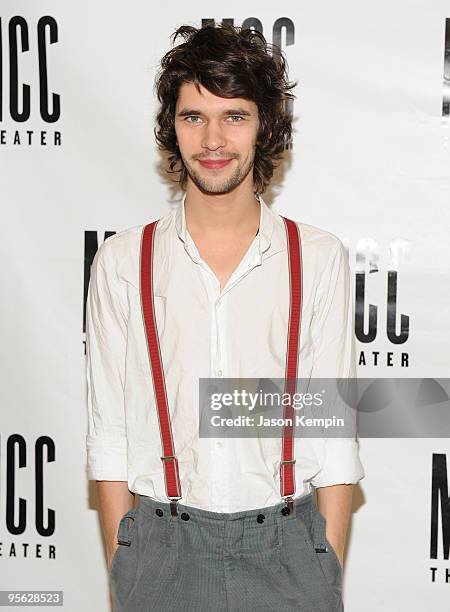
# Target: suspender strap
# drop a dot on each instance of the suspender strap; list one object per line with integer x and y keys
{"x": 287, "y": 471}
{"x": 170, "y": 462}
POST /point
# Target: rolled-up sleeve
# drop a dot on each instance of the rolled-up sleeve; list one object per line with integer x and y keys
{"x": 106, "y": 324}
{"x": 334, "y": 357}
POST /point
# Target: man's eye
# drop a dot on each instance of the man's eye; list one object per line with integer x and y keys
{"x": 197, "y": 119}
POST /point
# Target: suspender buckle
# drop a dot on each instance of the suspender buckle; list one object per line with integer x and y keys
{"x": 289, "y": 504}
{"x": 174, "y": 506}
{"x": 288, "y": 499}
{"x": 168, "y": 457}
{"x": 173, "y": 500}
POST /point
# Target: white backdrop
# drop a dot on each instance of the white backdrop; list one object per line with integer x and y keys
{"x": 370, "y": 162}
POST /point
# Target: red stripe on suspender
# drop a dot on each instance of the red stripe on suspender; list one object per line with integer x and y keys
{"x": 170, "y": 462}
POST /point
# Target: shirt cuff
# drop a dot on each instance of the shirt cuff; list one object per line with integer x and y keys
{"x": 106, "y": 457}
{"x": 342, "y": 464}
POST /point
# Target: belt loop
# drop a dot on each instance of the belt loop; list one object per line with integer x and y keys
{"x": 123, "y": 536}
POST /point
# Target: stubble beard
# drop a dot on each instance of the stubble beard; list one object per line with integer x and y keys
{"x": 217, "y": 186}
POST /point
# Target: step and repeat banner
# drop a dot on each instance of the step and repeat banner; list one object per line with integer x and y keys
{"x": 369, "y": 161}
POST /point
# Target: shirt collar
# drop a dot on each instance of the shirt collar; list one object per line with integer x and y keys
{"x": 265, "y": 235}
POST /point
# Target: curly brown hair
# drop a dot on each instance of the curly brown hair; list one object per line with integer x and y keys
{"x": 231, "y": 62}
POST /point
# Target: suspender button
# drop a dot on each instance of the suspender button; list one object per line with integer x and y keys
{"x": 159, "y": 512}
{"x": 185, "y": 516}
{"x": 260, "y": 518}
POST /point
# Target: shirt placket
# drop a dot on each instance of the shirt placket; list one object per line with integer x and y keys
{"x": 222, "y": 452}
{"x": 218, "y": 302}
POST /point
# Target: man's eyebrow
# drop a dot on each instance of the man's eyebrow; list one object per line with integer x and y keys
{"x": 238, "y": 111}
{"x": 186, "y": 112}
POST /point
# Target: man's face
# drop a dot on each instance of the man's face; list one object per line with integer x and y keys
{"x": 216, "y": 137}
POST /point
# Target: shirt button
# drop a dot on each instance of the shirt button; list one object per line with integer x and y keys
{"x": 219, "y": 373}
{"x": 218, "y": 444}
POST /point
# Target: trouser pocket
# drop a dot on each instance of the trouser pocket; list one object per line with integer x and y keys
{"x": 326, "y": 557}
{"x": 123, "y": 567}
{"x": 124, "y": 535}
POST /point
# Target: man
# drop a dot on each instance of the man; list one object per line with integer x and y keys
{"x": 209, "y": 290}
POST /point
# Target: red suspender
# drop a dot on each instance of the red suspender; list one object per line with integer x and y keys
{"x": 287, "y": 472}
{"x": 170, "y": 462}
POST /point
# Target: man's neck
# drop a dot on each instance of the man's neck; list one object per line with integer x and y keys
{"x": 221, "y": 215}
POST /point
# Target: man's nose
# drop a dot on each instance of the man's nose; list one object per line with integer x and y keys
{"x": 213, "y": 136}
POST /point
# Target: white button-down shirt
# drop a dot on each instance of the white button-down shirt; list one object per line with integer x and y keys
{"x": 237, "y": 333}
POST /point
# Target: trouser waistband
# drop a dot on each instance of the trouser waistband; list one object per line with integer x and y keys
{"x": 304, "y": 509}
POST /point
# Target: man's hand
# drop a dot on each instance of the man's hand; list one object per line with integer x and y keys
{"x": 335, "y": 504}
{"x": 110, "y": 555}
{"x": 114, "y": 501}
{"x": 338, "y": 550}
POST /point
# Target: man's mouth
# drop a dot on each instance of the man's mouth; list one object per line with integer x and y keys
{"x": 214, "y": 164}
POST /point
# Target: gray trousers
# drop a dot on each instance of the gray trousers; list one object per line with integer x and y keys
{"x": 260, "y": 560}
